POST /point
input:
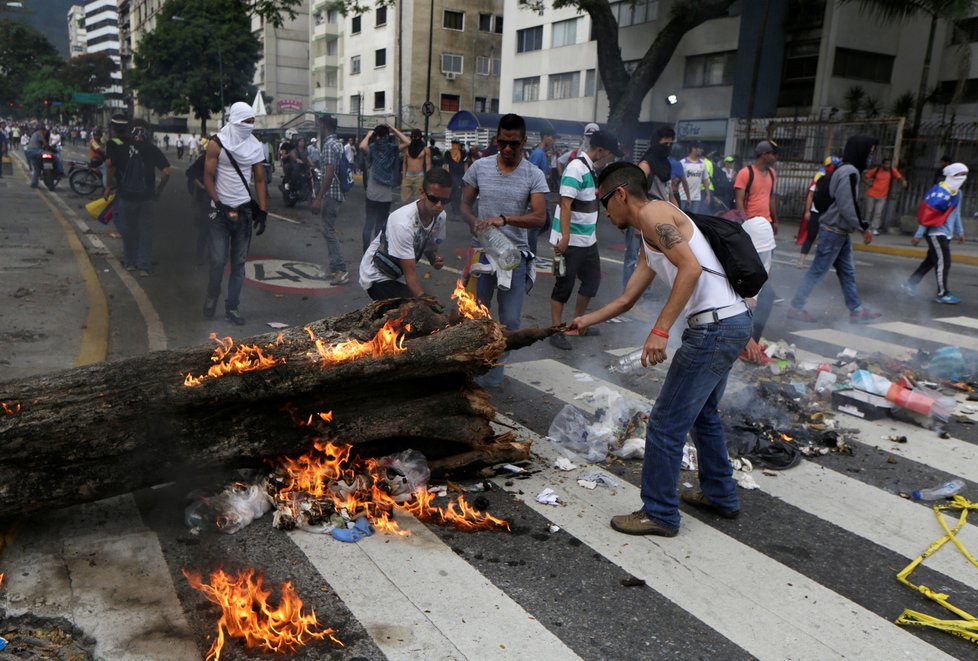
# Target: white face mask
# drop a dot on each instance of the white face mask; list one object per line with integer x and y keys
{"x": 955, "y": 181}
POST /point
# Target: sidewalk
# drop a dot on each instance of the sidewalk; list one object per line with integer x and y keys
{"x": 894, "y": 243}
{"x": 51, "y": 317}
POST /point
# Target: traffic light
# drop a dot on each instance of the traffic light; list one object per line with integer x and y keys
{"x": 45, "y": 101}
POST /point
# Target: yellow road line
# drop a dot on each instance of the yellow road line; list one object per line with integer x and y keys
{"x": 95, "y": 333}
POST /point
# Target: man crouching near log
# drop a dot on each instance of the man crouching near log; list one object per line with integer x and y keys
{"x": 718, "y": 325}
{"x": 389, "y": 267}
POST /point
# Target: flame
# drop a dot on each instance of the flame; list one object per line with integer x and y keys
{"x": 358, "y": 487}
{"x": 246, "y": 613}
{"x": 785, "y": 437}
{"x": 10, "y": 409}
{"x": 244, "y": 358}
{"x": 468, "y": 306}
{"x": 1, "y": 578}
{"x": 389, "y": 339}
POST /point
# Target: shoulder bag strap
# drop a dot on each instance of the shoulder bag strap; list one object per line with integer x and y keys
{"x": 236, "y": 168}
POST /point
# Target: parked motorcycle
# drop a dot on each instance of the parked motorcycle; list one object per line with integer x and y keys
{"x": 85, "y": 179}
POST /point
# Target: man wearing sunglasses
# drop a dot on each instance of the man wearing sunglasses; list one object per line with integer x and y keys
{"x": 717, "y": 327}
{"x": 511, "y": 193}
{"x": 389, "y": 267}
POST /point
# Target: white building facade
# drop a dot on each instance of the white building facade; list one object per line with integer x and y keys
{"x": 77, "y": 38}
{"x": 102, "y": 36}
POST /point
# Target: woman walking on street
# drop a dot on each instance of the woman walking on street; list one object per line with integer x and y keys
{"x": 940, "y": 220}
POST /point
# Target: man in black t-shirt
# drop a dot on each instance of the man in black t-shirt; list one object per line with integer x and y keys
{"x": 132, "y": 164}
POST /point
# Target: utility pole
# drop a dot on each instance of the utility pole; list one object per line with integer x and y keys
{"x": 427, "y": 92}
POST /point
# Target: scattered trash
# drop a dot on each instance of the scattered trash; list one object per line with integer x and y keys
{"x": 407, "y": 472}
{"x": 947, "y": 363}
{"x": 513, "y": 469}
{"x": 583, "y": 377}
{"x": 895, "y": 438}
{"x": 587, "y": 484}
{"x": 355, "y": 531}
{"x": 564, "y": 464}
{"x": 553, "y": 527}
{"x": 742, "y": 464}
{"x": 631, "y": 448}
{"x": 617, "y": 419}
{"x": 230, "y": 510}
{"x": 3, "y": 643}
{"x": 747, "y": 481}
{"x": 600, "y": 478}
{"x": 690, "y": 462}
{"x": 277, "y": 325}
{"x": 547, "y": 497}
{"x": 945, "y": 490}
{"x": 632, "y": 582}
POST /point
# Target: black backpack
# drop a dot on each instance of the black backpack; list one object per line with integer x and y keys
{"x": 134, "y": 179}
{"x": 735, "y": 251}
{"x": 823, "y": 198}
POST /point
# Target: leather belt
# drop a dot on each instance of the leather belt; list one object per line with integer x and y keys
{"x": 716, "y": 314}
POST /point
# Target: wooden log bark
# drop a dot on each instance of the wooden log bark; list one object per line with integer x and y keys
{"x": 92, "y": 432}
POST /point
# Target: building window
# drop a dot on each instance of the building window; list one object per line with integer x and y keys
{"x": 632, "y": 12}
{"x": 485, "y": 22}
{"x": 529, "y": 39}
{"x": 450, "y": 102}
{"x": 333, "y": 47}
{"x": 564, "y": 85}
{"x": 333, "y": 17}
{"x": 862, "y": 65}
{"x": 380, "y": 100}
{"x": 564, "y": 33}
{"x": 354, "y": 65}
{"x": 355, "y": 104}
{"x": 331, "y": 79}
{"x": 801, "y": 61}
{"x": 380, "y": 57}
{"x": 381, "y": 17}
{"x": 487, "y": 66}
{"x": 498, "y": 28}
{"x": 967, "y": 31}
{"x": 710, "y": 69}
{"x": 355, "y": 25}
{"x": 480, "y": 104}
{"x": 526, "y": 89}
{"x": 453, "y": 20}
{"x": 452, "y": 63}
{"x": 590, "y": 81}
{"x": 494, "y": 105}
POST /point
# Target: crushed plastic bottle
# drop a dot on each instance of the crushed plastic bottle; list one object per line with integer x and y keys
{"x": 500, "y": 248}
{"x": 630, "y": 363}
{"x": 945, "y": 490}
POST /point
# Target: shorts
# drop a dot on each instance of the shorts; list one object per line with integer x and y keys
{"x": 583, "y": 263}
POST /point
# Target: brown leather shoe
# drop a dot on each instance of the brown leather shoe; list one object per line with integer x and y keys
{"x": 637, "y": 523}
{"x": 697, "y": 498}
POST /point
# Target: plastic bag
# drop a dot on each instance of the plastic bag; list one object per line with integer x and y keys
{"x": 569, "y": 430}
{"x": 407, "y": 472}
{"x": 947, "y": 363}
{"x": 871, "y": 383}
{"x": 229, "y": 511}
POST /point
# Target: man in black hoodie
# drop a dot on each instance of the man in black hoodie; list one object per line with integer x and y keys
{"x": 841, "y": 219}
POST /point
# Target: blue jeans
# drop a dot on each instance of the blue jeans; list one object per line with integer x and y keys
{"x": 510, "y": 312}
{"x": 33, "y": 156}
{"x": 688, "y": 402}
{"x": 327, "y": 222}
{"x": 633, "y": 241}
{"x": 833, "y": 250}
{"x": 138, "y": 218}
{"x": 375, "y": 221}
{"x": 228, "y": 239}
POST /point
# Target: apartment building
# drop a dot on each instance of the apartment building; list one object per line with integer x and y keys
{"x": 394, "y": 59}
{"x": 102, "y": 35}
{"x": 325, "y": 41}
{"x": 77, "y": 38}
{"x": 283, "y": 72}
{"x": 810, "y": 57}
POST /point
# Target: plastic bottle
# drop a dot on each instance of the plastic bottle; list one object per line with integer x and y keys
{"x": 945, "y": 490}
{"x": 500, "y": 248}
{"x": 630, "y": 363}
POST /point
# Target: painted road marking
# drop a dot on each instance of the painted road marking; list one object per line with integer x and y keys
{"x": 929, "y": 334}
{"x": 858, "y": 342}
{"x": 967, "y": 322}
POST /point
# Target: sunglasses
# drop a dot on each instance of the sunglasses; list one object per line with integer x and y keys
{"x": 607, "y": 197}
{"x": 512, "y": 144}
{"x": 434, "y": 199}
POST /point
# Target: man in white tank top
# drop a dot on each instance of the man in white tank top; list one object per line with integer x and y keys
{"x": 716, "y": 325}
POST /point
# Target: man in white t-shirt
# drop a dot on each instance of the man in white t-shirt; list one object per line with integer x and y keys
{"x": 697, "y": 177}
{"x": 389, "y": 266}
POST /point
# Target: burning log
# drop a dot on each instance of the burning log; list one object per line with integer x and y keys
{"x": 403, "y": 379}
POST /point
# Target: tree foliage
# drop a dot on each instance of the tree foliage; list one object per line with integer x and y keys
{"x": 23, "y": 52}
{"x": 182, "y": 64}
{"x": 274, "y": 11}
{"x": 46, "y": 95}
{"x": 89, "y": 72}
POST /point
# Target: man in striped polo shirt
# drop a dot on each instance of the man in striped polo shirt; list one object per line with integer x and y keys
{"x": 572, "y": 233}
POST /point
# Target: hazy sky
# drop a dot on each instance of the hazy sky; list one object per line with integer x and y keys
{"x": 48, "y": 16}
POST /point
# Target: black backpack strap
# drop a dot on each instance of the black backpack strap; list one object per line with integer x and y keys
{"x": 236, "y": 168}
{"x": 750, "y": 182}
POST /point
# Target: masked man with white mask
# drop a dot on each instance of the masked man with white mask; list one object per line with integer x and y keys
{"x": 233, "y": 159}
{"x": 941, "y": 210}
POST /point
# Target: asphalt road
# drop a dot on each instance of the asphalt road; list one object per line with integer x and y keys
{"x": 807, "y": 571}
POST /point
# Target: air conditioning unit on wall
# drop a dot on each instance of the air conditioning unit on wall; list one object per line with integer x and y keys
{"x": 451, "y": 75}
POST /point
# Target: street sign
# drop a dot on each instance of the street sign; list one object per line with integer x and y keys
{"x": 427, "y": 108}
{"x": 88, "y": 98}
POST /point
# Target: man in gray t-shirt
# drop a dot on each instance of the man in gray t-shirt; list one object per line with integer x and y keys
{"x": 511, "y": 193}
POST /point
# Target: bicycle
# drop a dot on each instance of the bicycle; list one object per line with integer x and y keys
{"x": 85, "y": 179}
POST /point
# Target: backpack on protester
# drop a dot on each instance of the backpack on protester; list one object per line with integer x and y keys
{"x": 134, "y": 179}
{"x": 750, "y": 182}
{"x": 823, "y": 199}
{"x": 735, "y": 251}
{"x": 344, "y": 174}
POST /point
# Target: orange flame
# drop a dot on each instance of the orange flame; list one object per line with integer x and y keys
{"x": 246, "y": 613}
{"x": 10, "y": 409}
{"x": 389, "y": 339}
{"x": 1, "y": 578}
{"x": 328, "y": 472}
{"x": 245, "y": 358}
{"x": 785, "y": 437}
{"x": 468, "y": 306}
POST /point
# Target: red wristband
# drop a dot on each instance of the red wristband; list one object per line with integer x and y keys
{"x": 656, "y": 331}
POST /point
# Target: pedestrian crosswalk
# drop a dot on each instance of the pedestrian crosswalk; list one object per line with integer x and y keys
{"x": 806, "y": 572}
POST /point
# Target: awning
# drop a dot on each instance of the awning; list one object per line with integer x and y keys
{"x": 466, "y": 120}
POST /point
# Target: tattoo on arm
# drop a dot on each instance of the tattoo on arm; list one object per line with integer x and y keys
{"x": 668, "y": 236}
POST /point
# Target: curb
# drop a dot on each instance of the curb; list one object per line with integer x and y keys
{"x": 915, "y": 253}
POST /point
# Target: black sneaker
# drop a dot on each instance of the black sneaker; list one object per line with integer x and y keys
{"x": 210, "y": 306}
{"x": 234, "y": 317}
{"x": 560, "y": 341}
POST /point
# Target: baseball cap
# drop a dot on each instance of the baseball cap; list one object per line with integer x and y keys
{"x": 765, "y": 147}
{"x": 728, "y": 159}
{"x": 606, "y": 140}
{"x": 591, "y": 128}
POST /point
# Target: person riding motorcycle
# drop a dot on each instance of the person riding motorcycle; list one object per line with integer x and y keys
{"x": 296, "y": 165}
{"x": 38, "y": 144}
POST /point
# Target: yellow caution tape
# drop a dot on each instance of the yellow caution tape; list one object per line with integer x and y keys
{"x": 967, "y": 626}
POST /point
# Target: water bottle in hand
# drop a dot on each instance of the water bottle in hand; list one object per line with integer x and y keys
{"x": 500, "y": 248}
{"x": 945, "y": 490}
{"x": 630, "y": 363}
